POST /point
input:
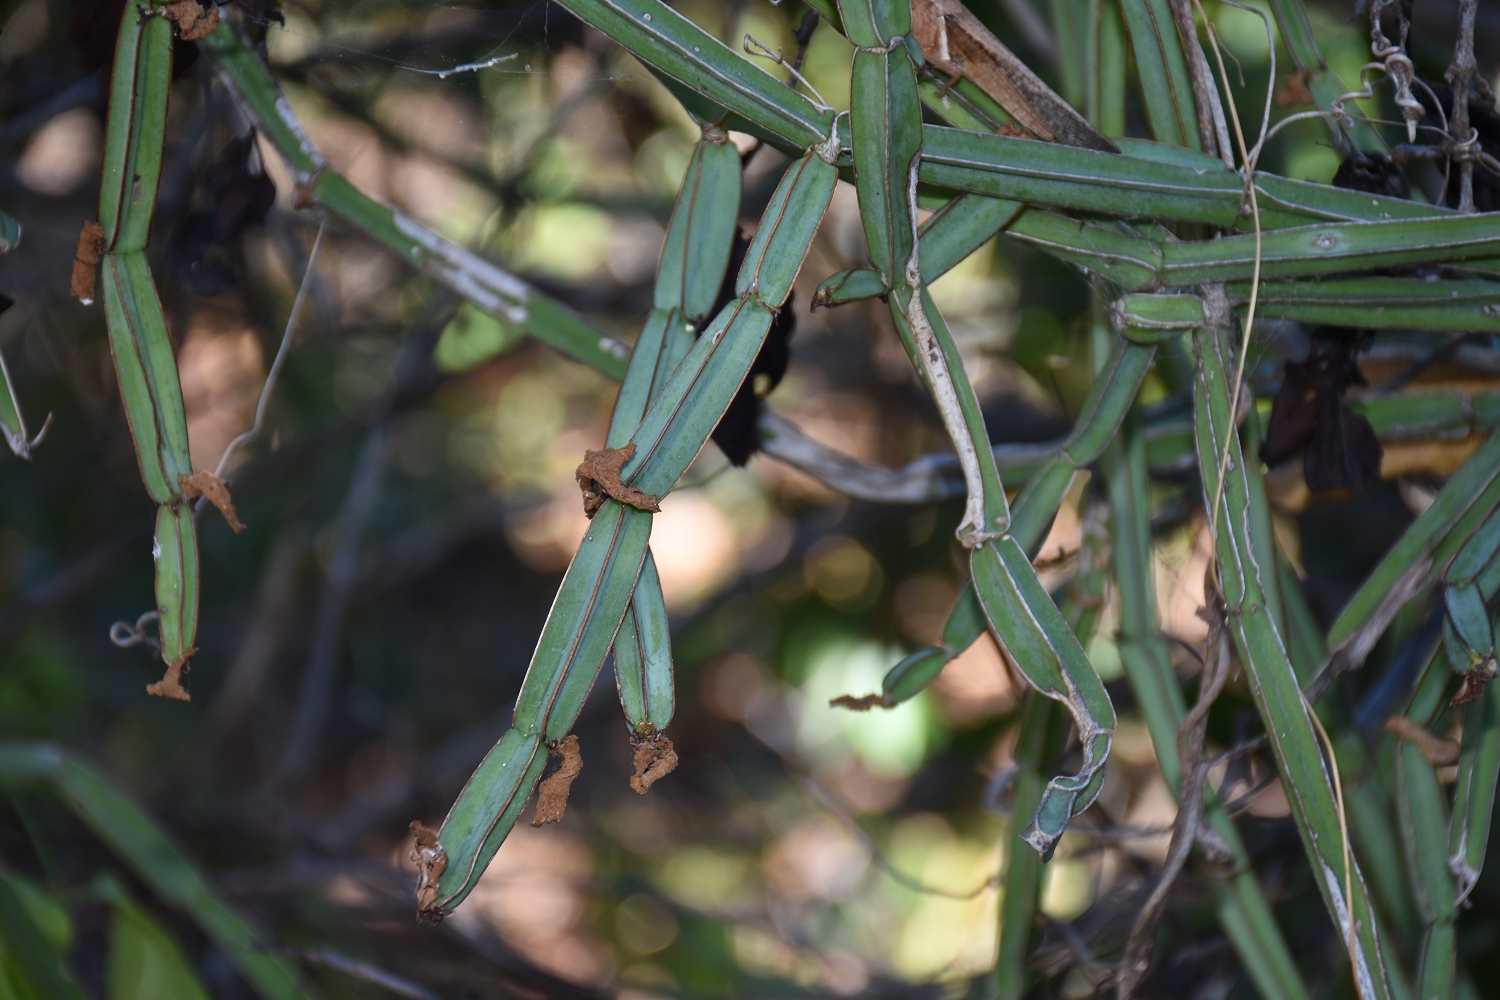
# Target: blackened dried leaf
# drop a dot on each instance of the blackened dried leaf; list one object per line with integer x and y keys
{"x": 1330, "y": 367}
{"x": 239, "y": 189}
{"x": 1372, "y": 173}
{"x": 1344, "y": 453}
{"x": 198, "y": 262}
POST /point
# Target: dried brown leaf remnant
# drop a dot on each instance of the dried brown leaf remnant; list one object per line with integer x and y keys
{"x": 193, "y": 21}
{"x": 1473, "y": 686}
{"x": 1294, "y": 93}
{"x": 552, "y": 796}
{"x": 654, "y": 759}
{"x": 170, "y": 685}
{"x": 599, "y": 477}
{"x": 206, "y": 484}
{"x": 431, "y": 861}
{"x": 85, "y": 260}
{"x": 861, "y": 703}
{"x": 1437, "y": 752}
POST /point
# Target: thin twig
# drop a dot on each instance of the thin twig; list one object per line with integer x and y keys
{"x": 1185, "y": 830}
{"x": 366, "y": 973}
{"x": 757, "y": 48}
{"x": 276, "y": 364}
{"x": 1211, "y": 125}
{"x": 1461, "y": 75}
{"x": 803, "y": 37}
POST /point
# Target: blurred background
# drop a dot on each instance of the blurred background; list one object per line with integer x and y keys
{"x": 411, "y": 507}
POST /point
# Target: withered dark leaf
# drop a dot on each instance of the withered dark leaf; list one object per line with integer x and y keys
{"x": 238, "y": 189}
{"x": 199, "y": 262}
{"x": 238, "y": 194}
{"x": 1342, "y": 451}
{"x": 1372, "y": 173}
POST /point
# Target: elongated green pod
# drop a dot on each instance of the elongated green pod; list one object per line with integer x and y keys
{"x": 966, "y": 622}
{"x": 1422, "y": 814}
{"x": 695, "y": 397}
{"x": 135, "y": 130}
{"x": 175, "y": 553}
{"x": 960, "y": 227}
{"x": 1163, "y": 73}
{"x": 147, "y": 371}
{"x": 1326, "y": 87}
{"x": 12, "y": 422}
{"x": 651, "y": 363}
{"x": 701, "y": 231}
{"x": 1036, "y": 506}
{"x": 694, "y": 257}
{"x": 1469, "y": 495}
{"x": 1032, "y": 516}
{"x": 1039, "y": 642}
{"x": 1273, "y": 683}
{"x": 1037, "y": 745}
{"x": 1128, "y": 260}
{"x": 1114, "y": 390}
{"x": 699, "y": 390}
{"x": 787, "y": 227}
{"x": 948, "y": 236}
{"x": 1470, "y": 620}
{"x": 853, "y": 285}
{"x": 602, "y": 580}
{"x": 1474, "y": 792}
{"x": 1476, "y": 555}
{"x": 1330, "y": 248}
{"x": 926, "y": 335}
{"x": 1164, "y": 183}
{"x": 1385, "y": 303}
{"x": 908, "y": 677}
{"x": 1141, "y": 317}
{"x": 679, "y": 49}
{"x": 886, "y": 125}
{"x": 873, "y": 23}
{"x": 480, "y": 820}
{"x": 578, "y": 633}
{"x": 584, "y": 617}
{"x": 643, "y": 656}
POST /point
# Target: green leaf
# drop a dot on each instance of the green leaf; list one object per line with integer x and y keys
{"x": 1162, "y": 70}
{"x": 34, "y": 963}
{"x": 145, "y": 962}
